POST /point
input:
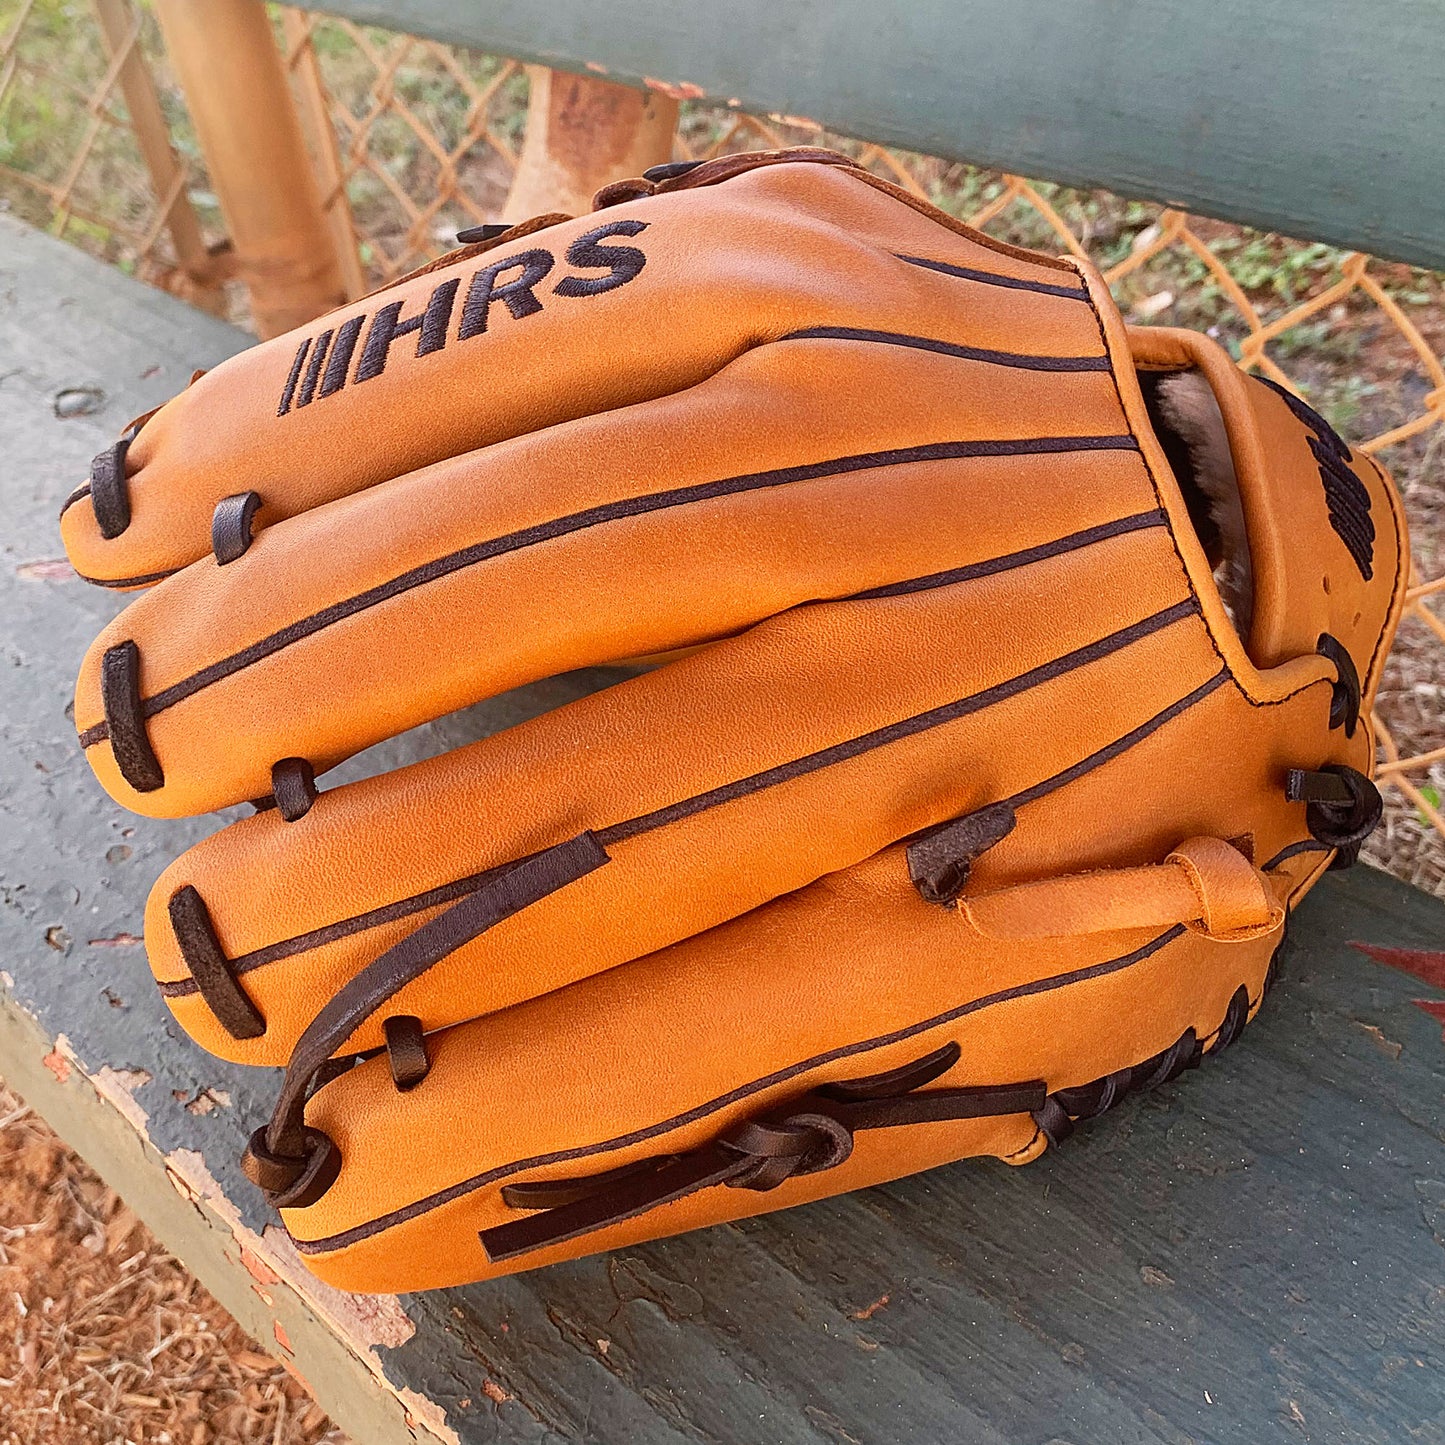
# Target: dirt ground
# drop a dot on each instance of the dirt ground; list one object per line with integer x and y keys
{"x": 104, "y": 1337}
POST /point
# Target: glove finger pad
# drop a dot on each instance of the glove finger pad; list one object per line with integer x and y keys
{"x": 853, "y": 976}
{"x": 715, "y": 782}
{"x": 263, "y": 421}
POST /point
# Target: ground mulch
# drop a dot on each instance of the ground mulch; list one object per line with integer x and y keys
{"x": 104, "y": 1337}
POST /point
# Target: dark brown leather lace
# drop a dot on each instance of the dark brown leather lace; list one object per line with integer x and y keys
{"x": 810, "y": 1133}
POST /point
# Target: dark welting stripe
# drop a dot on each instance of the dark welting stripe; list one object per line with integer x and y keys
{"x": 1024, "y": 361}
{"x": 992, "y": 278}
{"x": 79, "y": 493}
{"x": 144, "y": 579}
{"x": 905, "y": 728}
{"x": 734, "y": 1096}
{"x": 449, "y": 892}
{"x": 373, "y": 918}
{"x": 975, "y": 570}
{"x": 594, "y": 516}
{"x": 1119, "y": 745}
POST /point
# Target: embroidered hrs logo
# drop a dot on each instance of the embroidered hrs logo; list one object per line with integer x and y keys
{"x": 1346, "y": 499}
{"x": 322, "y": 365}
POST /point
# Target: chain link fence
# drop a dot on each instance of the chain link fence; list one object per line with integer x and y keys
{"x": 412, "y": 140}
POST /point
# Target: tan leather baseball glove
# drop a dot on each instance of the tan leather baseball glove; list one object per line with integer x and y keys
{"x": 1028, "y": 654}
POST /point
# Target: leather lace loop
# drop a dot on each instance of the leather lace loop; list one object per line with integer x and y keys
{"x": 406, "y": 1051}
{"x": 812, "y": 1133}
{"x": 286, "y": 1153}
{"x": 293, "y": 788}
{"x": 1064, "y": 1107}
{"x": 1343, "y": 807}
{"x": 231, "y": 526}
{"x": 1345, "y": 694}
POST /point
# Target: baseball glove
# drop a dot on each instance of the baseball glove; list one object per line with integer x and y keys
{"x": 1012, "y": 668}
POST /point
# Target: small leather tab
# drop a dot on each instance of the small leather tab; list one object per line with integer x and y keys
{"x": 1234, "y": 900}
{"x": 293, "y": 786}
{"x": 209, "y": 966}
{"x": 473, "y": 234}
{"x": 109, "y": 490}
{"x": 125, "y": 718}
{"x": 1303, "y": 786}
{"x": 939, "y": 862}
{"x": 669, "y": 170}
{"x": 406, "y": 1051}
{"x": 231, "y": 526}
{"x": 1053, "y": 1121}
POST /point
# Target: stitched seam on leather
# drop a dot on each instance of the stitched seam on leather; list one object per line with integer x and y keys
{"x": 594, "y": 516}
{"x": 1120, "y": 745}
{"x": 446, "y": 893}
{"x": 961, "y": 228}
{"x": 743, "y": 1091}
{"x": 906, "y": 727}
{"x": 1401, "y": 570}
{"x": 994, "y": 278}
{"x": 1138, "y": 522}
{"x": 1025, "y": 361}
{"x": 1174, "y": 541}
{"x": 78, "y": 495}
{"x": 143, "y": 579}
{"x": 1024, "y": 1149}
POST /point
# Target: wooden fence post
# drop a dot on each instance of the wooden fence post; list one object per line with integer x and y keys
{"x": 582, "y": 133}
{"x": 320, "y": 135}
{"x": 234, "y": 80}
{"x": 199, "y": 274}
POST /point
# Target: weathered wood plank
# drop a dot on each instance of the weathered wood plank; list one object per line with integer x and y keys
{"x": 1318, "y": 118}
{"x": 1256, "y": 1245}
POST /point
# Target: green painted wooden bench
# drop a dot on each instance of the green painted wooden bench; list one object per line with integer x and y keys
{"x": 1251, "y": 1254}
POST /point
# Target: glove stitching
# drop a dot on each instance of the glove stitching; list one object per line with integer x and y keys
{"x": 712, "y": 1106}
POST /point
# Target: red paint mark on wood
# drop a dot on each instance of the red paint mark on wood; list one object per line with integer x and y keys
{"x": 282, "y": 1338}
{"x": 47, "y": 569}
{"x": 257, "y": 1268}
{"x": 1425, "y": 964}
{"x": 58, "y": 1064}
{"x": 1428, "y": 965}
{"x": 1436, "y": 1009}
{"x": 869, "y": 1311}
{"x": 674, "y": 89}
{"x": 494, "y": 1392}
{"x": 117, "y": 940}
